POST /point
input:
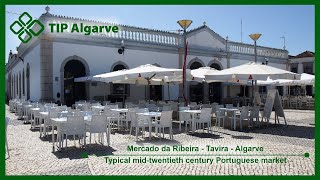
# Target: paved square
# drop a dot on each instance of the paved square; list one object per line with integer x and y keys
{"x": 31, "y": 155}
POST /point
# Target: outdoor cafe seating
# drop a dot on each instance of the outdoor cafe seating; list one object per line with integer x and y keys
{"x": 137, "y": 118}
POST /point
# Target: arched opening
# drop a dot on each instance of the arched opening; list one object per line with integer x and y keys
{"x": 9, "y": 87}
{"x": 195, "y": 88}
{"x": 74, "y": 91}
{"x": 19, "y": 85}
{"x": 215, "y": 88}
{"x": 14, "y": 86}
{"x": 119, "y": 92}
{"x": 28, "y": 81}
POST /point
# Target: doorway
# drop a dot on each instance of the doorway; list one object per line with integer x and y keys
{"x": 215, "y": 88}
{"x": 156, "y": 92}
{"x": 195, "y": 88}
{"x": 74, "y": 91}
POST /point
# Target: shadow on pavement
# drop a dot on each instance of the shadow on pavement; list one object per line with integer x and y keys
{"x": 290, "y": 131}
{"x": 80, "y": 153}
{"x": 206, "y": 135}
{"x": 242, "y": 137}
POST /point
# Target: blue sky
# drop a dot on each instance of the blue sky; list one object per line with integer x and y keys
{"x": 296, "y": 23}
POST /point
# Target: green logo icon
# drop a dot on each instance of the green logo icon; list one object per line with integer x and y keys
{"x": 25, "y": 27}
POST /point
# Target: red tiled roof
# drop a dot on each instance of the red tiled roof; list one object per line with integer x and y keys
{"x": 302, "y": 55}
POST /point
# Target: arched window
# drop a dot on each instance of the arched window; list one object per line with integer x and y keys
{"x": 216, "y": 66}
{"x": 119, "y": 88}
{"x": 13, "y": 85}
{"x": 195, "y": 65}
{"x": 17, "y": 92}
{"x": 215, "y": 88}
{"x": 195, "y": 89}
{"x": 19, "y": 84}
{"x": 28, "y": 81}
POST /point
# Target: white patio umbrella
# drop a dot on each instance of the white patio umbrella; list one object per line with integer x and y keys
{"x": 251, "y": 71}
{"x": 199, "y": 74}
{"x": 145, "y": 74}
{"x": 306, "y": 79}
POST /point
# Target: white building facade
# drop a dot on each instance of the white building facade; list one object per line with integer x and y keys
{"x": 52, "y": 60}
{"x": 302, "y": 63}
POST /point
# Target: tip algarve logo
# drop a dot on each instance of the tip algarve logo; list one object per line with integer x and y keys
{"x": 26, "y": 27}
{"x": 23, "y": 27}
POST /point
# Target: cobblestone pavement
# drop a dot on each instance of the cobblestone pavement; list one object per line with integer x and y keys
{"x": 31, "y": 155}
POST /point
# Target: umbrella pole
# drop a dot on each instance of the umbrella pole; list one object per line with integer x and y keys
{"x": 145, "y": 93}
{"x": 123, "y": 96}
{"x": 289, "y": 91}
{"x": 244, "y": 94}
{"x": 104, "y": 92}
{"x": 252, "y": 92}
{"x": 149, "y": 89}
{"x": 168, "y": 91}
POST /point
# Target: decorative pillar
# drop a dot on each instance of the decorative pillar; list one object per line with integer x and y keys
{"x": 300, "y": 68}
{"x": 46, "y": 66}
{"x": 228, "y": 64}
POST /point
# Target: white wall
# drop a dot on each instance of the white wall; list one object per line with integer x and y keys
{"x": 33, "y": 58}
{"x": 205, "y": 39}
{"x": 100, "y": 60}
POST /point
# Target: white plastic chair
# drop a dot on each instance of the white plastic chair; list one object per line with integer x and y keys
{"x": 186, "y": 117}
{"x": 86, "y": 107}
{"x": 165, "y": 122}
{"x": 214, "y": 106}
{"x": 105, "y": 103}
{"x": 220, "y": 115}
{"x": 152, "y": 107}
{"x": 294, "y": 102}
{"x": 53, "y": 113}
{"x": 204, "y": 118}
{"x": 167, "y": 108}
{"x": 75, "y": 126}
{"x": 127, "y": 118}
{"x": 254, "y": 114}
{"x": 244, "y": 115}
{"x": 137, "y": 122}
{"x": 99, "y": 124}
{"x": 96, "y": 111}
{"x": 113, "y": 116}
{"x": 35, "y": 118}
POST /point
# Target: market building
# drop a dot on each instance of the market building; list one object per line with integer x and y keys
{"x": 303, "y": 63}
{"x": 44, "y": 68}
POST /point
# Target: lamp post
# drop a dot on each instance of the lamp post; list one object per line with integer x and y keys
{"x": 254, "y": 37}
{"x": 184, "y": 25}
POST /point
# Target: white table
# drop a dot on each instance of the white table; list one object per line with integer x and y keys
{"x": 150, "y": 115}
{"x": 120, "y": 110}
{"x": 234, "y": 112}
{"x": 97, "y": 107}
{"x": 193, "y": 114}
